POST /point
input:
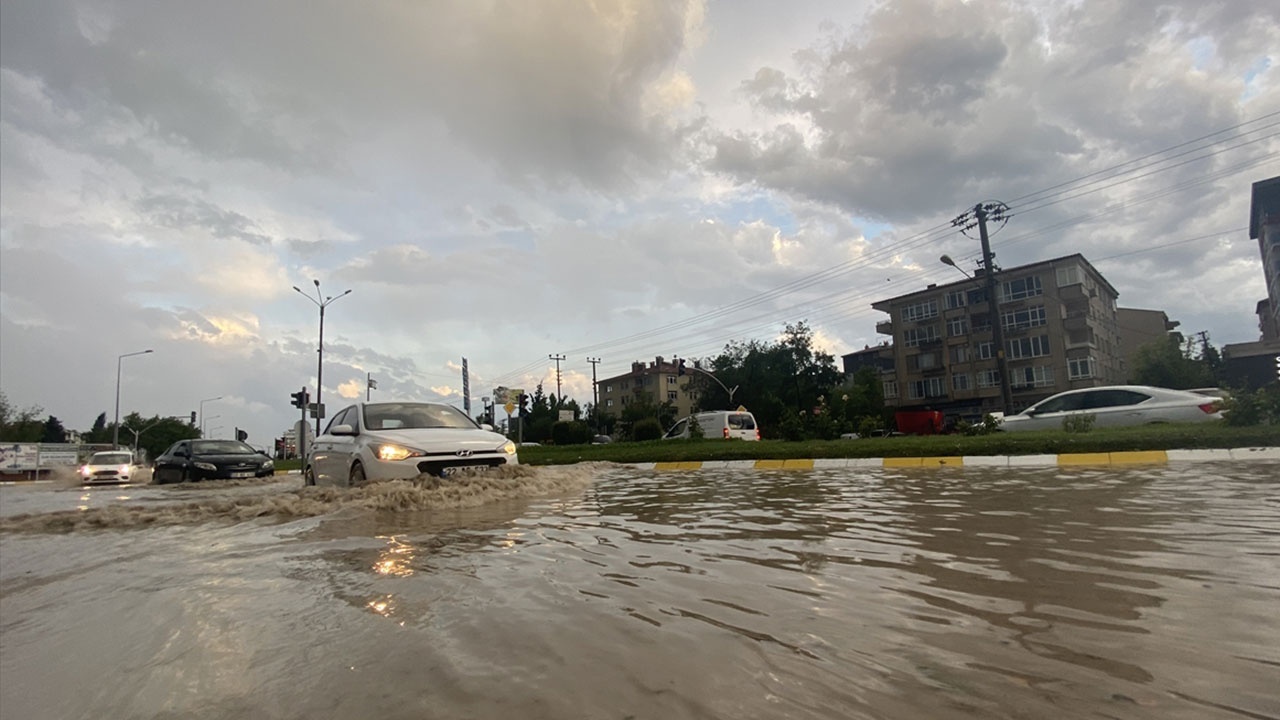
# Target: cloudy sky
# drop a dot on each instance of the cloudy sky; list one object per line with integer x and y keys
{"x": 503, "y": 181}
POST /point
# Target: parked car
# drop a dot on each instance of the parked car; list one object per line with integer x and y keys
{"x": 1118, "y": 405}
{"x": 110, "y": 466}
{"x": 402, "y": 440}
{"x": 718, "y": 425}
{"x": 601, "y": 440}
{"x": 188, "y": 460}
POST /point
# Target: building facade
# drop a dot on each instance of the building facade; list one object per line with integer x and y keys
{"x": 1264, "y": 226}
{"x": 657, "y": 382}
{"x": 1060, "y": 332}
{"x": 1138, "y": 328}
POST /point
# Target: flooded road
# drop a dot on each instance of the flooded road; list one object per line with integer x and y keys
{"x": 611, "y": 592}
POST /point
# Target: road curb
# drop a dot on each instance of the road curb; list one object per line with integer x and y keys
{"x": 1136, "y": 457}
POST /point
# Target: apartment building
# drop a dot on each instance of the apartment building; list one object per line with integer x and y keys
{"x": 1255, "y": 364}
{"x": 1138, "y": 328}
{"x": 1060, "y": 332}
{"x": 656, "y": 382}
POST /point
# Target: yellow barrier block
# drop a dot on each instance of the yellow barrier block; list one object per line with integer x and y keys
{"x": 897, "y": 462}
{"x": 683, "y": 465}
{"x": 1146, "y": 457}
{"x": 1084, "y": 459}
{"x": 797, "y": 464}
{"x": 770, "y": 464}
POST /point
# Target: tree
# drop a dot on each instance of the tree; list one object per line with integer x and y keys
{"x": 98, "y": 433}
{"x": 53, "y": 431}
{"x": 20, "y": 425}
{"x": 152, "y": 436}
{"x": 1169, "y": 362}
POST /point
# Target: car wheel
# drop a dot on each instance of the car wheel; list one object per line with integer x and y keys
{"x": 309, "y": 476}
{"x": 357, "y": 476}
{"x": 159, "y": 477}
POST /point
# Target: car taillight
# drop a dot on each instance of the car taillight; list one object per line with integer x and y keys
{"x": 1211, "y": 408}
{"x": 757, "y": 433}
{"x": 726, "y": 433}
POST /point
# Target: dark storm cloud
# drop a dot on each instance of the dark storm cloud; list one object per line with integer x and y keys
{"x": 186, "y": 213}
{"x": 931, "y": 105}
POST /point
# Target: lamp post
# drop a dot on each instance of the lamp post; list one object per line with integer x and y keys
{"x": 115, "y": 438}
{"x": 202, "y": 402}
{"x": 321, "y": 302}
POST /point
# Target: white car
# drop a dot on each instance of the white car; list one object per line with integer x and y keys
{"x": 400, "y": 441}
{"x": 112, "y": 466}
{"x": 1118, "y": 405}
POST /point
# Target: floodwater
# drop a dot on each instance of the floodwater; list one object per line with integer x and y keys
{"x": 610, "y": 592}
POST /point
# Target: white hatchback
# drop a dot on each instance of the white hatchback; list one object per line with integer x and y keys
{"x": 1117, "y": 405}
{"x": 400, "y": 441}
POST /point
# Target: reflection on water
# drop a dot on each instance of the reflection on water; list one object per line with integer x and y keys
{"x": 852, "y": 593}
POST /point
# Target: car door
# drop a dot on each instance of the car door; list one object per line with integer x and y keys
{"x": 1048, "y": 415}
{"x": 322, "y": 461}
{"x": 343, "y": 448}
{"x": 1115, "y": 407}
{"x": 174, "y": 461}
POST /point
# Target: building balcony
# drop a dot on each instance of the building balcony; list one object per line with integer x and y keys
{"x": 885, "y": 327}
{"x": 1076, "y": 322}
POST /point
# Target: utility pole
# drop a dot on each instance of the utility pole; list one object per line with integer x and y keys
{"x": 559, "y": 398}
{"x": 595, "y": 394}
{"x": 981, "y": 213}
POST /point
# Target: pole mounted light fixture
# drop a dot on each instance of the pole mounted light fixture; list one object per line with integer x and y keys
{"x": 979, "y": 216}
{"x": 322, "y": 302}
{"x": 202, "y": 402}
{"x": 115, "y": 438}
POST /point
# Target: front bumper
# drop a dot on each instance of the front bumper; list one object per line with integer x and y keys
{"x": 435, "y": 464}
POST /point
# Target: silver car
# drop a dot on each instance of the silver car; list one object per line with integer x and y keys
{"x": 1118, "y": 405}
{"x": 400, "y": 441}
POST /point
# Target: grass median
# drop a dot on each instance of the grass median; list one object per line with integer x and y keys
{"x": 1048, "y": 442}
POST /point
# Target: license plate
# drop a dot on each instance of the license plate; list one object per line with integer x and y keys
{"x": 241, "y": 474}
{"x": 461, "y": 469}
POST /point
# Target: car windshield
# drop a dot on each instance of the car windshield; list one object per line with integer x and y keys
{"x": 399, "y": 416}
{"x": 220, "y": 447}
{"x": 111, "y": 458}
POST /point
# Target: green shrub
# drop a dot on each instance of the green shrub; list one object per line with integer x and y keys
{"x": 1258, "y": 407}
{"x": 1078, "y": 422}
{"x": 695, "y": 429}
{"x": 571, "y": 433}
{"x": 646, "y": 429}
{"x": 990, "y": 423}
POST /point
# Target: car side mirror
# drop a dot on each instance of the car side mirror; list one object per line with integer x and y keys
{"x": 342, "y": 430}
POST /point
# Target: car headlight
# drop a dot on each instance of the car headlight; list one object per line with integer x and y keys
{"x": 205, "y": 466}
{"x": 85, "y": 471}
{"x": 268, "y": 465}
{"x": 509, "y": 448}
{"x": 392, "y": 453}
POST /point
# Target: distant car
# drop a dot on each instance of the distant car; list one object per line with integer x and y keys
{"x": 400, "y": 441}
{"x": 111, "y": 466}
{"x": 601, "y": 440}
{"x": 188, "y": 460}
{"x": 1118, "y": 405}
{"x": 717, "y": 425}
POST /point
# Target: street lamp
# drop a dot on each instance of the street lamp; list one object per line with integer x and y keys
{"x": 115, "y": 438}
{"x": 321, "y": 302}
{"x": 211, "y": 417}
{"x": 202, "y": 402}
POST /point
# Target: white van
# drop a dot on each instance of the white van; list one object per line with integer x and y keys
{"x": 718, "y": 425}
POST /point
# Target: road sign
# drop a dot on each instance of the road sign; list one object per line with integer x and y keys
{"x": 317, "y": 410}
{"x": 510, "y": 407}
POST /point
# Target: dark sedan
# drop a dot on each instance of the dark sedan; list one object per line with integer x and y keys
{"x": 210, "y": 460}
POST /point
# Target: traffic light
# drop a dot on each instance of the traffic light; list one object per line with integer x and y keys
{"x": 524, "y": 404}
{"x": 300, "y": 399}
{"x": 193, "y": 418}
{"x": 680, "y": 369}
{"x": 241, "y": 435}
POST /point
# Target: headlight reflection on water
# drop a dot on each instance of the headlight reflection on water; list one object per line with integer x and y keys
{"x": 395, "y": 559}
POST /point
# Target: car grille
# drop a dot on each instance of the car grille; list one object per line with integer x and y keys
{"x": 438, "y": 466}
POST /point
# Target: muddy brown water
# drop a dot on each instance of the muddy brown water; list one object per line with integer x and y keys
{"x": 611, "y": 592}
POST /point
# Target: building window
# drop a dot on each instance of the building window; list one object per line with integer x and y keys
{"x": 920, "y": 311}
{"x": 923, "y": 361}
{"x": 911, "y": 337}
{"x": 1021, "y": 289}
{"x": 955, "y": 299}
{"x": 977, "y": 296}
{"x": 890, "y": 389}
{"x": 1068, "y": 275}
{"x": 981, "y": 322}
{"x": 1025, "y": 318}
{"x": 927, "y": 388}
{"x": 622, "y": 384}
{"x": 958, "y": 326}
{"x": 671, "y": 395}
{"x": 608, "y": 403}
{"x": 608, "y": 388}
{"x": 988, "y": 378}
{"x": 1028, "y": 347}
{"x": 960, "y": 354}
{"x": 986, "y": 351}
{"x": 1037, "y": 376}
{"x": 960, "y": 381}
{"x": 671, "y": 379}
{"x": 1081, "y": 368}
